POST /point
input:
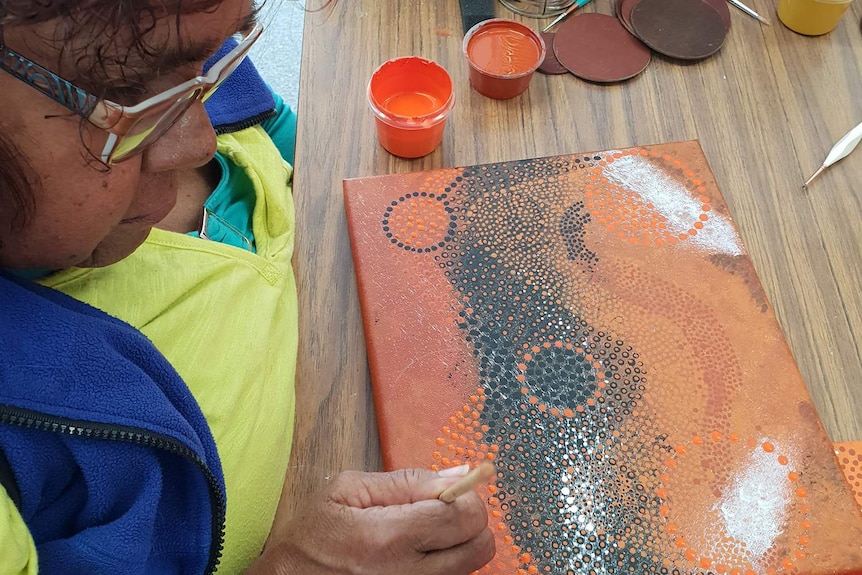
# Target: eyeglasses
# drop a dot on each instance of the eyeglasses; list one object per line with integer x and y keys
{"x": 130, "y": 128}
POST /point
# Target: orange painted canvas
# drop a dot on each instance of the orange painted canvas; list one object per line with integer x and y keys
{"x": 593, "y": 325}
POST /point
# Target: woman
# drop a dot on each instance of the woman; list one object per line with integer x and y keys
{"x": 110, "y": 460}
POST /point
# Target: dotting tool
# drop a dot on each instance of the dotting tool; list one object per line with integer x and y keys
{"x": 469, "y": 482}
{"x": 840, "y": 150}
{"x": 566, "y": 14}
{"x": 749, "y": 11}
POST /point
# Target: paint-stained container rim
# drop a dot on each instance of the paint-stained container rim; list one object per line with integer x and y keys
{"x": 429, "y": 73}
{"x": 503, "y": 24}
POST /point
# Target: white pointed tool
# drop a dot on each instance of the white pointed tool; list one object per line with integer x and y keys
{"x": 840, "y": 150}
{"x": 749, "y": 11}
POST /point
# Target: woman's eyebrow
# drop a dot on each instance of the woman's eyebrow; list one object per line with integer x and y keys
{"x": 175, "y": 57}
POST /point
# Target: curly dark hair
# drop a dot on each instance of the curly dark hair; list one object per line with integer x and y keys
{"x": 101, "y": 19}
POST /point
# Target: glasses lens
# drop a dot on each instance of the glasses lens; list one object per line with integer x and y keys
{"x": 156, "y": 120}
{"x": 148, "y": 129}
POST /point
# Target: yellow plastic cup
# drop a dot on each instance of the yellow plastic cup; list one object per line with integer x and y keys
{"x": 811, "y": 17}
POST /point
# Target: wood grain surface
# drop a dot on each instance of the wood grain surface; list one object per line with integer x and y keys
{"x": 766, "y": 110}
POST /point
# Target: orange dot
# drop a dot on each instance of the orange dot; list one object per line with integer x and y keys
{"x": 768, "y": 447}
{"x": 793, "y": 476}
{"x": 801, "y": 492}
{"x": 690, "y": 555}
{"x": 680, "y": 449}
{"x": 782, "y": 460}
{"x": 525, "y": 558}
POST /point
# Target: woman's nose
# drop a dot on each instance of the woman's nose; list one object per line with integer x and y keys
{"x": 189, "y": 143}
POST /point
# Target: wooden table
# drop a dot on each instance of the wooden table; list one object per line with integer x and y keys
{"x": 766, "y": 110}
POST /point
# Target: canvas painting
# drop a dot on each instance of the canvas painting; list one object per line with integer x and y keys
{"x": 592, "y": 324}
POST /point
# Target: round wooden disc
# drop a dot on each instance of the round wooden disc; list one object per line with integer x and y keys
{"x": 684, "y": 29}
{"x": 550, "y": 65}
{"x": 597, "y": 48}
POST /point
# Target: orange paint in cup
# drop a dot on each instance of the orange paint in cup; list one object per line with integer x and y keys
{"x": 503, "y": 54}
{"x": 411, "y": 98}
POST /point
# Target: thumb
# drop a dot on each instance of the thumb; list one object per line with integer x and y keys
{"x": 405, "y": 486}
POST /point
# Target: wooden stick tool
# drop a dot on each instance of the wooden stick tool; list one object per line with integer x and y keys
{"x": 469, "y": 482}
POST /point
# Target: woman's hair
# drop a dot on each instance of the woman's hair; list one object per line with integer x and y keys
{"x": 102, "y": 19}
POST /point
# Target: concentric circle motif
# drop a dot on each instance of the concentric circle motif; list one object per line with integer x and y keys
{"x": 420, "y": 222}
{"x": 559, "y": 377}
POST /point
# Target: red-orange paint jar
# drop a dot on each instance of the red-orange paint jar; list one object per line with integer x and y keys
{"x": 411, "y": 98}
{"x": 503, "y": 54}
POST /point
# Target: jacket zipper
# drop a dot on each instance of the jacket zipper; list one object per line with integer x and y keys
{"x": 243, "y": 124}
{"x": 36, "y": 420}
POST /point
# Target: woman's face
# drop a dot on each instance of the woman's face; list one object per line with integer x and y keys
{"x": 84, "y": 214}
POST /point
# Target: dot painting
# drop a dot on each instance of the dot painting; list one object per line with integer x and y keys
{"x": 592, "y": 325}
{"x": 850, "y": 458}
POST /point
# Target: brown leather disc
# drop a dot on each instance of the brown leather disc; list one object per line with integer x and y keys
{"x": 550, "y": 65}
{"x": 624, "y": 13}
{"x": 684, "y": 29}
{"x": 723, "y": 9}
{"x": 596, "y": 47}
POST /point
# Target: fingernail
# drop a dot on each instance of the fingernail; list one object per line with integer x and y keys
{"x": 459, "y": 471}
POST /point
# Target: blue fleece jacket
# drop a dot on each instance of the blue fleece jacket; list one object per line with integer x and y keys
{"x": 107, "y": 455}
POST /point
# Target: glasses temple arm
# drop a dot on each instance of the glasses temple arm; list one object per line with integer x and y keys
{"x": 61, "y": 91}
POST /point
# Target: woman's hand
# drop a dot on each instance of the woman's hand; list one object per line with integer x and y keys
{"x": 384, "y": 524}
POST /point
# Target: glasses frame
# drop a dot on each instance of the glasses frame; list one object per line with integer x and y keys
{"x": 118, "y": 120}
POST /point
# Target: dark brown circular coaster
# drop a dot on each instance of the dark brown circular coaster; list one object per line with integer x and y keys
{"x": 596, "y": 47}
{"x": 624, "y": 13}
{"x": 550, "y": 65}
{"x": 684, "y": 29}
{"x": 723, "y": 9}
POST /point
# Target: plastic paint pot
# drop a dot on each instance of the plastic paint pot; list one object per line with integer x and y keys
{"x": 811, "y": 17}
{"x": 503, "y": 54}
{"x": 411, "y": 98}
